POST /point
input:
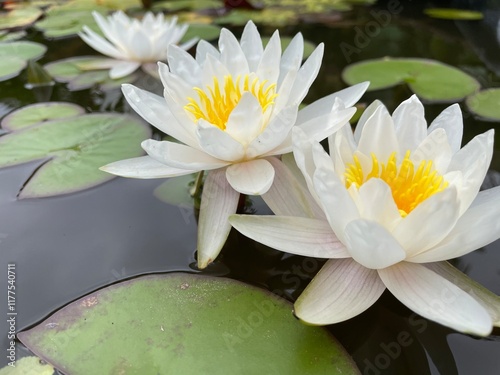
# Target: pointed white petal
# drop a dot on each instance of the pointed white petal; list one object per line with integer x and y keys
{"x": 490, "y": 301}
{"x": 377, "y": 203}
{"x": 269, "y": 65}
{"x": 183, "y": 65}
{"x": 251, "y": 44}
{"x": 154, "y": 110}
{"x": 302, "y": 152}
{"x": 252, "y": 177}
{"x": 245, "y": 121}
{"x": 100, "y": 44}
{"x": 141, "y": 47}
{"x": 451, "y": 121}
{"x": 324, "y": 105}
{"x": 143, "y": 167}
{"x": 435, "y": 218}
{"x": 306, "y": 76}
{"x": 181, "y": 156}
{"x": 188, "y": 44}
{"x": 410, "y": 124}
{"x": 341, "y": 290}
{"x": 371, "y": 245}
{"x": 435, "y": 148}
{"x": 292, "y": 57}
{"x": 218, "y": 201}
{"x": 477, "y": 227}
{"x": 367, "y": 113}
{"x": 218, "y": 143}
{"x": 288, "y": 197}
{"x": 435, "y": 298}
{"x": 203, "y": 48}
{"x": 294, "y": 235}
{"x": 231, "y": 54}
{"x": 123, "y": 68}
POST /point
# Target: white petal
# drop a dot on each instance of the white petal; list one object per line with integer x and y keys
{"x": 218, "y": 201}
{"x": 378, "y": 204}
{"x": 473, "y": 161}
{"x": 324, "y": 105}
{"x": 275, "y": 133}
{"x": 100, "y": 44}
{"x": 108, "y": 30}
{"x": 143, "y": 167}
{"x": 295, "y": 235}
{"x": 342, "y": 146}
{"x": 306, "y": 75}
{"x": 252, "y": 177}
{"x": 451, "y": 121}
{"x": 203, "y": 48}
{"x": 188, "y": 44}
{"x": 434, "y": 147}
{"x": 378, "y": 135}
{"x": 302, "y": 152}
{"x": 435, "y": 298}
{"x": 231, "y": 54}
{"x": 341, "y": 290}
{"x": 140, "y": 45}
{"x": 435, "y": 218}
{"x": 371, "y": 245}
{"x": 288, "y": 197}
{"x": 251, "y": 44}
{"x": 245, "y": 121}
{"x": 181, "y": 156}
{"x": 367, "y": 113}
{"x": 490, "y": 301}
{"x": 154, "y": 110}
{"x": 184, "y": 65}
{"x": 477, "y": 227}
{"x": 410, "y": 124}
{"x": 218, "y": 143}
{"x": 123, "y": 68}
{"x": 269, "y": 65}
{"x": 336, "y": 201}
{"x": 292, "y": 57}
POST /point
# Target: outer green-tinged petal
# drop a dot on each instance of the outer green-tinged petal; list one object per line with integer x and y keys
{"x": 434, "y": 297}
{"x": 143, "y": 167}
{"x": 295, "y": 235}
{"x": 490, "y": 301}
{"x": 477, "y": 227}
{"x": 371, "y": 245}
{"x": 341, "y": 290}
{"x": 288, "y": 197}
{"x": 253, "y": 177}
{"x": 218, "y": 201}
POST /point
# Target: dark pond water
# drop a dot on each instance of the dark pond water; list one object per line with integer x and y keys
{"x": 68, "y": 246}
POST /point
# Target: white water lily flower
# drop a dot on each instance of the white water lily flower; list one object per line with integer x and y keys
{"x": 399, "y": 199}
{"x": 132, "y": 43}
{"x": 232, "y": 109}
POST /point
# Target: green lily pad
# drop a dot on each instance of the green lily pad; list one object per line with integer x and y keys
{"x": 66, "y": 70}
{"x": 11, "y": 67}
{"x": 61, "y": 23}
{"x": 6, "y": 36}
{"x": 316, "y": 6}
{"x": 176, "y": 191}
{"x": 184, "y": 324}
{"x": 73, "y": 149}
{"x": 431, "y": 80}
{"x": 34, "y": 114}
{"x": 176, "y": 5}
{"x": 28, "y": 366}
{"x": 485, "y": 104}
{"x": 309, "y": 47}
{"x": 19, "y": 17}
{"x": 202, "y": 31}
{"x": 454, "y": 14}
{"x": 22, "y": 50}
{"x": 266, "y": 16}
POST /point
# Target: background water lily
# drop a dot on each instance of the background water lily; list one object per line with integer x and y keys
{"x": 131, "y": 42}
{"x": 399, "y": 199}
{"x": 232, "y": 109}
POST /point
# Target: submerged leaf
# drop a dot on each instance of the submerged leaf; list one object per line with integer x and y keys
{"x": 73, "y": 149}
{"x": 184, "y": 324}
{"x": 431, "y": 80}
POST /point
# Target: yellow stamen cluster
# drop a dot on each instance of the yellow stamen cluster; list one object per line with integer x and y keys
{"x": 410, "y": 186}
{"x": 216, "y": 103}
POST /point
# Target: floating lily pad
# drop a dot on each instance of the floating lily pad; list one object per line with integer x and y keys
{"x": 431, "y": 80}
{"x": 10, "y": 67}
{"x": 19, "y": 17}
{"x": 176, "y": 190}
{"x": 316, "y": 6}
{"x": 28, "y": 366}
{"x": 6, "y": 36}
{"x": 454, "y": 14}
{"x": 177, "y": 5}
{"x": 68, "y": 69}
{"x": 41, "y": 112}
{"x": 73, "y": 150}
{"x": 64, "y": 23}
{"x": 309, "y": 47}
{"x": 184, "y": 324}
{"x": 207, "y": 32}
{"x": 23, "y": 50}
{"x": 485, "y": 104}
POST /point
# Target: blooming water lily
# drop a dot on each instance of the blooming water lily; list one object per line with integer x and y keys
{"x": 132, "y": 43}
{"x": 397, "y": 200}
{"x": 233, "y": 110}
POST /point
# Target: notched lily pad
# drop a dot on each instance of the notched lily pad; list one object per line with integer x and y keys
{"x": 485, "y": 104}
{"x": 41, "y": 112}
{"x": 431, "y": 80}
{"x": 73, "y": 149}
{"x": 454, "y": 14}
{"x": 184, "y": 324}
{"x": 19, "y": 17}
{"x": 28, "y": 366}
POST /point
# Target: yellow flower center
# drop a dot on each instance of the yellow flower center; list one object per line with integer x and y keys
{"x": 410, "y": 186}
{"x": 217, "y": 102}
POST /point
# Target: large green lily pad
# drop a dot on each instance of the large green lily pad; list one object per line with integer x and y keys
{"x": 485, "y": 104}
{"x": 10, "y": 67}
{"x": 19, "y": 17}
{"x": 431, "y": 80}
{"x": 22, "y": 50}
{"x": 28, "y": 366}
{"x": 61, "y": 23}
{"x": 73, "y": 149}
{"x": 184, "y": 324}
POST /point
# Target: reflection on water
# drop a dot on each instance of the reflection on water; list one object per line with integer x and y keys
{"x": 67, "y": 246}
